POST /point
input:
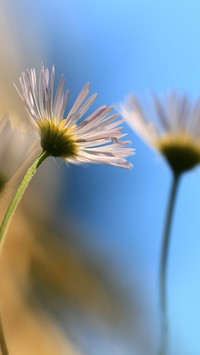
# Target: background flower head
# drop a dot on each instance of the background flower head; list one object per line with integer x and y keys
{"x": 96, "y": 139}
{"x": 15, "y": 145}
{"x": 177, "y": 134}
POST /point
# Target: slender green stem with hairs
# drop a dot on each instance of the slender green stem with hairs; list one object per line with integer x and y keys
{"x": 7, "y": 219}
{"x": 163, "y": 267}
{"x": 17, "y": 198}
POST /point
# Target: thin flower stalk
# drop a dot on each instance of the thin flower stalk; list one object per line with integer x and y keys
{"x": 163, "y": 350}
{"x": 17, "y": 198}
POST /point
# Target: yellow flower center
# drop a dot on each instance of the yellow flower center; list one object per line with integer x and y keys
{"x": 56, "y": 139}
{"x": 181, "y": 151}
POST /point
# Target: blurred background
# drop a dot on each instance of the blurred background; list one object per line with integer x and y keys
{"x": 94, "y": 233}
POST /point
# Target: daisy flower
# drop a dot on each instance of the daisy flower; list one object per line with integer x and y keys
{"x": 95, "y": 139}
{"x": 14, "y": 148}
{"x": 176, "y": 135}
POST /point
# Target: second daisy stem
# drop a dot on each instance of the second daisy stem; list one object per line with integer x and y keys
{"x": 17, "y": 198}
{"x": 163, "y": 267}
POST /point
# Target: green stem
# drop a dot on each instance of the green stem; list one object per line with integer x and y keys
{"x": 16, "y": 199}
{"x": 163, "y": 266}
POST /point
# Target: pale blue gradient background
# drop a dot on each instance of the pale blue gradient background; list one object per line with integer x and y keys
{"x": 122, "y": 47}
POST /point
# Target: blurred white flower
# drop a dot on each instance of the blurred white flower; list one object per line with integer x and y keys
{"x": 15, "y": 146}
{"x": 97, "y": 139}
{"x": 177, "y": 134}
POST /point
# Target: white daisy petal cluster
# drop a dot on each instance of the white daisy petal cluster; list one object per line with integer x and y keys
{"x": 14, "y": 149}
{"x": 96, "y": 139}
{"x": 176, "y": 135}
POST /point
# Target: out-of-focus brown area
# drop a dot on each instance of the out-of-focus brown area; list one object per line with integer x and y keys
{"x": 26, "y": 330}
{"x": 35, "y": 263}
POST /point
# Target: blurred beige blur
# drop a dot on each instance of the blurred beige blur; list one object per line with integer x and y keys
{"x": 16, "y": 55}
{"x": 26, "y": 329}
{"x": 35, "y": 259}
